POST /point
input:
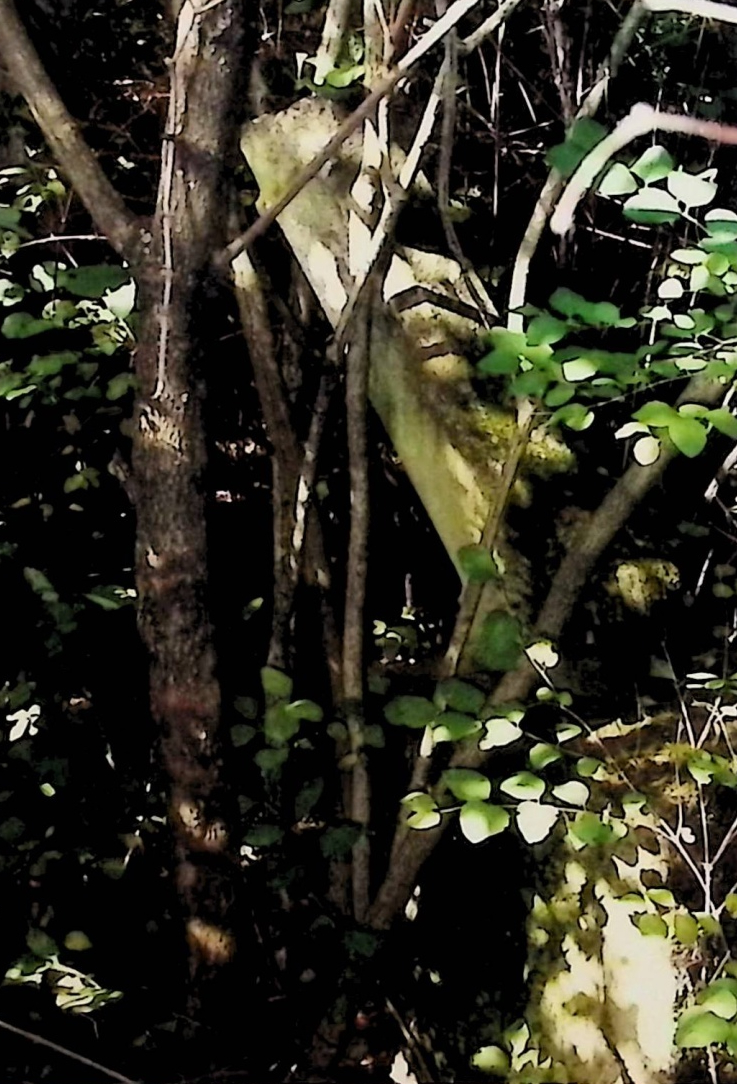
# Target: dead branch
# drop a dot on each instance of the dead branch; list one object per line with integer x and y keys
{"x": 31, "y": 1037}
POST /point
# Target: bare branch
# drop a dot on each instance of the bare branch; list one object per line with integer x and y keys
{"x": 31, "y": 1037}
{"x": 451, "y": 18}
{"x": 703, "y": 9}
{"x": 61, "y": 132}
{"x": 555, "y": 182}
{"x": 641, "y": 120}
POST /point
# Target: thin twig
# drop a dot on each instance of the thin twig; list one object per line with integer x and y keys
{"x": 452, "y": 17}
{"x": 555, "y": 181}
{"x": 31, "y": 1037}
{"x": 356, "y": 394}
{"x": 703, "y": 9}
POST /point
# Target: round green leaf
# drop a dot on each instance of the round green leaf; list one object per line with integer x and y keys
{"x": 579, "y": 369}
{"x": 591, "y": 830}
{"x": 688, "y": 435}
{"x": 652, "y": 206}
{"x": 656, "y": 414}
{"x": 276, "y": 683}
{"x": 590, "y": 768}
{"x": 572, "y": 793}
{"x": 524, "y": 786}
{"x": 477, "y": 564}
{"x": 459, "y": 696}
{"x": 466, "y": 784}
{"x": 545, "y": 330}
{"x": 264, "y": 835}
{"x": 646, "y": 450}
{"x": 651, "y": 925}
{"x": 535, "y": 821}
{"x": 413, "y": 711}
{"x": 690, "y": 190}
{"x": 724, "y": 421}
{"x": 686, "y": 929}
{"x": 453, "y": 726}
{"x": 618, "y": 181}
{"x": 720, "y": 1000}
{"x": 305, "y": 709}
{"x": 542, "y": 754}
{"x": 690, "y": 256}
{"x": 498, "y": 645}
{"x": 480, "y": 820}
{"x": 653, "y": 165}
{"x": 492, "y": 1060}
{"x": 499, "y": 732}
{"x": 241, "y": 734}
{"x": 700, "y": 1029}
{"x": 670, "y": 289}
{"x": 77, "y": 941}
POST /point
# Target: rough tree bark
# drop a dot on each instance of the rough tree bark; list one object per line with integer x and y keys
{"x": 170, "y": 258}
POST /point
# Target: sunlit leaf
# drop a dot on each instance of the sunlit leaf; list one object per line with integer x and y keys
{"x": 466, "y": 784}
{"x": 653, "y": 165}
{"x": 572, "y": 793}
{"x": 535, "y": 821}
{"x": 690, "y": 190}
{"x": 618, "y": 181}
{"x": 700, "y": 1029}
{"x": 499, "y": 732}
{"x": 480, "y": 820}
{"x": 652, "y": 206}
{"x": 523, "y": 786}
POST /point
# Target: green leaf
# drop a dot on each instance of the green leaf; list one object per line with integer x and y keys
{"x": 120, "y": 385}
{"x": 730, "y": 904}
{"x": 662, "y": 896}
{"x": 306, "y": 710}
{"x": 459, "y": 696}
{"x": 50, "y": 364}
{"x": 344, "y": 77}
{"x": 246, "y": 706}
{"x": 40, "y": 944}
{"x": 275, "y": 683}
{"x": 308, "y": 797}
{"x": 466, "y": 785}
{"x": 338, "y": 842}
{"x": 492, "y": 1060}
{"x": 541, "y": 755}
{"x": 724, "y": 421}
{"x": 241, "y": 734}
{"x": 670, "y": 290}
{"x": 690, "y": 190}
{"x": 653, "y": 165}
{"x": 423, "y": 811}
{"x": 21, "y": 325}
{"x": 584, "y": 134}
{"x": 523, "y": 785}
{"x": 546, "y": 329}
{"x": 646, "y": 450}
{"x": 686, "y": 929}
{"x": 700, "y": 1029}
{"x": 504, "y": 358}
{"x": 453, "y": 726}
{"x": 373, "y": 736}
{"x": 721, "y": 225}
{"x": 590, "y": 829}
{"x": 572, "y": 793}
{"x": 651, "y": 925}
{"x": 579, "y": 369}
{"x": 566, "y": 731}
{"x": 574, "y": 415}
{"x": 498, "y": 645}
{"x": 271, "y": 761}
{"x": 652, "y": 206}
{"x": 719, "y": 999}
{"x": 480, "y": 820}
{"x": 264, "y": 835}
{"x": 77, "y": 941}
{"x": 692, "y": 256}
{"x": 656, "y": 414}
{"x": 618, "y": 181}
{"x": 279, "y": 724}
{"x": 9, "y": 217}
{"x": 413, "y": 711}
{"x": 590, "y": 768}
{"x": 593, "y": 313}
{"x": 535, "y": 821}
{"x": 92, "y": 281}
{"x": 559, "y": 394}
{"x": 477, "y": 564}
{"x": 499, "y": 732}
{"x": 688, "y": 435}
